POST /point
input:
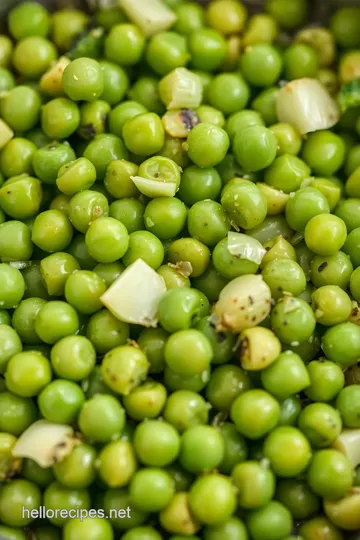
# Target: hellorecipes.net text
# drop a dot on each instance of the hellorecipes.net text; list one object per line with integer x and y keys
{"x": 75, "y": 513}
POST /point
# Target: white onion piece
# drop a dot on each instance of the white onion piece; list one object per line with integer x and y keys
{"x": 134, "y": 297}
{"x": 181, "y": 89}
{"x": 307, "y": 105}
{"x": 245, "y": 247}
{"x": 6, "y": 134}
{"x": 45, "y": 443}
{"x": 348, "y": 443}
{"x": 152, "y": 16}
{"x": 243, "y": 303}
{"x": 153, "y": 188}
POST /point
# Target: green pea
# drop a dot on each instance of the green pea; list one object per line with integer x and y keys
{"x": 27, "y": 373}
{"x": 15, "y": 241}
{"x": 109, "y": 272}
{"x": 77, "y": 470}
{"x": 240, "y": 120}
{"x": 289, "y": 411}
{"x": 24, "y": 317}
{"x": 145, "y": 401}
{"x": 284, "y": 276}
{"x": 265, "y": 104}
{"x": 102, "y": 150}
{"x": 144, "y": 134}
{"x": 16, "y": 413}
{"x": 20, "y": 108}
{"x": 155, "y": 481}
{"x": 254, "y": 148}
{"x": 321, "y": 424}
{"x": 121, "y": 38}
{"x": 165, "y": 217}
{"x": 297, "y": 497}
{"x": 300, "y": 60}
{"x": 261, "y": 65}
{"x": 117, "y": 463}
{"x": 16, "y": 157}
{"x": 173, "y": 276}
{"x": 82, "y": 528}
{"x": 101, "y": 418}
{"x": 249, "y": 423}
{"x": 207, "y": 145}
{"x": 185, "y": 409}
{"x": 33, "y": 55}
{"x": 60, "y": 118}
{"x": 55, "y": 270}
{"x": 212, "y": 499}
{"x": 79, "y": 250}
{"x": 52, "y": 231}
{"x": 86, "y": 207}
{"x": 152, "y": 342}
{"x": 347, "y": 403}
{"x": 192, "y": 251}
{"x": 333, "y": 270}
{"x": 331, "y": 304}
{"x": 341, "y": 343}
{"x": 12, "y": 286}
{"x": 145, "y": 92}
{"x": 56, "y": 320}
{"x": 20, "y": 197}
{"x": 207, "y": 48}
{"x": 177, "y": 516}
{"x": 244, "y": 203}
{"x": 304, "y": 205}
{"x": 180, "y": 308}
{"x": 330, "y": 474}
{"x": 15, "y": 497}
{"x": 166, "y": 51}
{"x": 157, "y": 443}
{"x": 237, "y": 91}
{"x": 293, "y": 320}
{"x": 327, "y": 379}
{"x": 124, "y": 368}
{"x": 49, "y": 159}
{"x": 324, "y": 152}
{"x": 325, "y": 234}
{"x": 118, "y": 179}
{"x": 61, "y": 401}
{"x": 106, "y": 332}
{"x": 288, "y": 139}
{"x": 226, "y": 384}
{"x": 287, "y": 173}
{"x": 144, "y": 245}
{"x": 233, "y": 527}
{"x": 320, "y": 525}
{"x": 188, "y": 352}
{"x": 199, "y": 184}
{"x": 255, "y": 482}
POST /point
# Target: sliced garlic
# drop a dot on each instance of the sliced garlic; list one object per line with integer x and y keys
{"x": 245, "y": 247}
{"x": 51, "y": 81}
{"x": 152, "y": 188}
{"x": 45, "y": 443}
{"x": 307, "y": 105}
{"x": 6, "y": 134}
{"x": 259, "y": 347}
{"x": 183, "y": 267}
{"x": 243, "y": 303}
{"x": 134, "y": 297}
{"x": 152, "y": 16}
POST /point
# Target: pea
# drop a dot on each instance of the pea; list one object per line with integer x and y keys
{"x": 331, "y": 270}
{"x": 165, "y": 217}
{"x": 101, "y": 418}
{"x": 234, "y": 527}
{"x": 244, "y": 203}
{"x": 297, "y": 497}
{"x": 320, "y": 525}
{"x": 157, "y": 443}
{"x": 273, "y": 520}
{"x": 289, "y": 411}
{"x": 16, "y": 413}
{"x": 255, "y": 482}
{"x": 177, "y": 517}
{"x": 55, "y": 270}
{"x": 77, "y": 470}
{"x": 212, "y": 499}
{"x": 20, "y": 108}
{"x": 284, "y": 276}
{"x": 15, "y": 497}
{"x": 56, "y": 320}
{"x": 329, "y": 474}
{"x": 326, "y": 380}
{"x": 247, "y": 422}
{"x": 124, "y": 37}
{"x": 145, "y": 401}
{"x": 27, "y": 373}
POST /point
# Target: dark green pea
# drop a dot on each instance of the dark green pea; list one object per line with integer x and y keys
{"x": 226, "y": 384}
{"x": 24, "y": 317}
{"x": 145, "y": 91}
{"x": 109, "y": 272}
{"x": 116, "y": 500}
{"x": 265, "y": 104}
{"x": 58, "y": 497}
{"x": 289, "y": 411}
{"x": 34, "y": 283}
{"x": 195, "y": 383}
{"x": 152, "y": 342}
{"x": 49, "y": 159}
{"x": 94, "y": 384}
{"x": 223, "y": 344}
{"x": 211, "y": 283}
{"x": 80, "y": 252}
{"x": 236, "y": 449}
{"x": 298, "y": 498}
{"x": 36, "y": 474}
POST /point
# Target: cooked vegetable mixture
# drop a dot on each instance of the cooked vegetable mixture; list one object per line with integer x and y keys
{"x": 180, "y": 272}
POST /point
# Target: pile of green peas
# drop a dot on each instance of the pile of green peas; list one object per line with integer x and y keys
{"x": 204, "y": 433}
